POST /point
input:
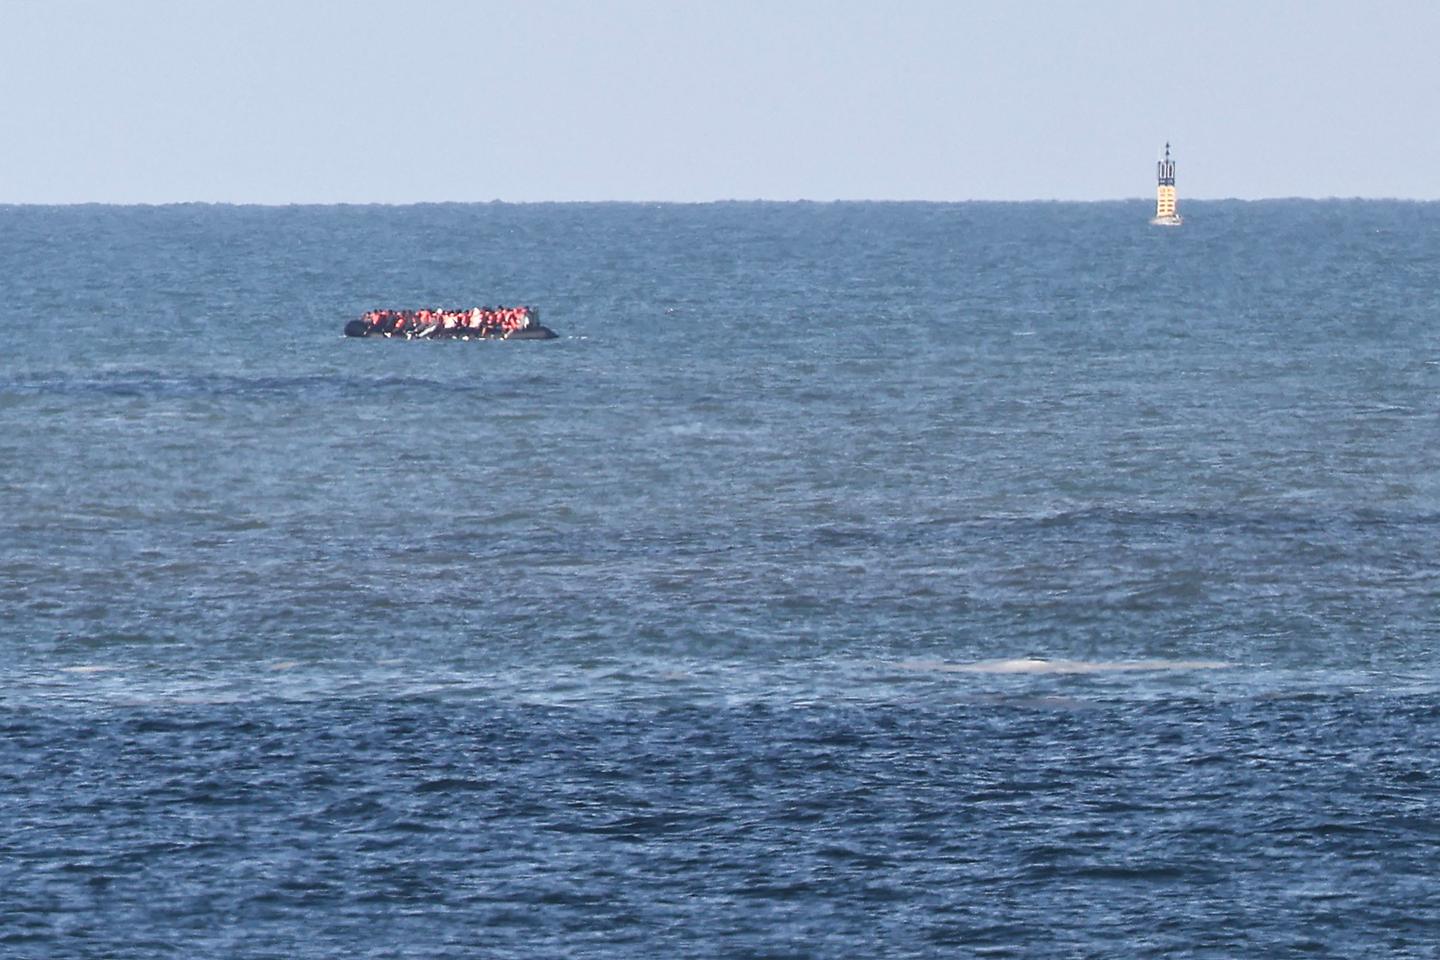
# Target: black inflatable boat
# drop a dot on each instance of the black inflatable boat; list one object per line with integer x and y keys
{"x": 475, "y": 323}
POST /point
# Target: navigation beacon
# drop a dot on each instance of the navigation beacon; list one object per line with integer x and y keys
{"x": 1165, "y": 213}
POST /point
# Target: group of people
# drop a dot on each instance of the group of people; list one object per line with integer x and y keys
{"x": 477, "y": 321}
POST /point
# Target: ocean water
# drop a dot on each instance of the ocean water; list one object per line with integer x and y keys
{"x": 904, "y": 580}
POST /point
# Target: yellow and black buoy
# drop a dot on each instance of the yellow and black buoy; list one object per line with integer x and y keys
{"x": 1166, "y": 214}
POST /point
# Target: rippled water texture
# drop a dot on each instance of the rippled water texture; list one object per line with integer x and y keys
{"x": 1013, "y": 580}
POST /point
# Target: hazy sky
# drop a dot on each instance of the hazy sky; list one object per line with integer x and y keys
{"x": 277, "y": 101}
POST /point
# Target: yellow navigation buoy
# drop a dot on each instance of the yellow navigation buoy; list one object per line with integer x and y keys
{"x": 1166, "y": 214}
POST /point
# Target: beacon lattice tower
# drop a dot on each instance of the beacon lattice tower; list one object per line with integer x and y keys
{"x": 1166, "y": 213}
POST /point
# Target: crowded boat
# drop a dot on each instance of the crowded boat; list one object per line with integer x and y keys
{"x": 502, "y": 323}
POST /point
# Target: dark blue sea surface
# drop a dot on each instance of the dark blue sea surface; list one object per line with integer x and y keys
{"x": 848, "y": 580}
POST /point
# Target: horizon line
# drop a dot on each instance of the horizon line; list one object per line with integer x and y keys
{"x": 693, "y": 203}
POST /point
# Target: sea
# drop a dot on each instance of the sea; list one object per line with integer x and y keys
{"x": 846, "y": 580}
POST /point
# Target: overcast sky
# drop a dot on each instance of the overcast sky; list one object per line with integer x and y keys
{"x": 280, "y": 101}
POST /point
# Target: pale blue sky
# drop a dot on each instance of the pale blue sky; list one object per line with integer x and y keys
{"x": 278, "y": 101}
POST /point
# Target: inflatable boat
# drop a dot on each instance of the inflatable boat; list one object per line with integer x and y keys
{"x": 358, "y": 328}
{"x": 475, "y": 323}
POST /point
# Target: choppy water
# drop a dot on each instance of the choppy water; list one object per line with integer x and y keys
{"x": 1012, "y": 580}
